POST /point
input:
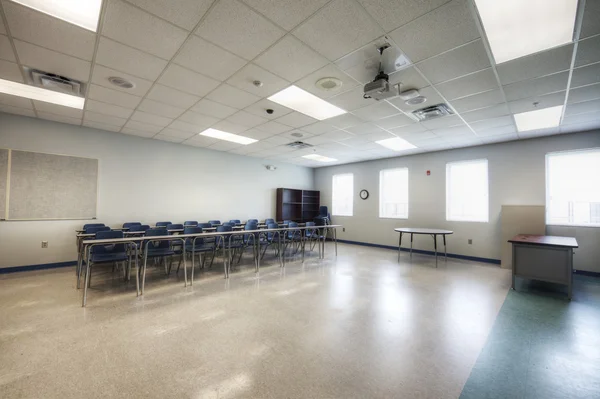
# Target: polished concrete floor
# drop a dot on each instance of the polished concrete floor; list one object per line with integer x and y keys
{"x": 356, "y": 326}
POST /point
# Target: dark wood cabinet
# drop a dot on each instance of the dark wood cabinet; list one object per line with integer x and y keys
{"x": 297, "y": 205}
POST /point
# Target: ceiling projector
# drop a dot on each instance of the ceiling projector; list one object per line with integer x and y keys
{"x": 380, "y": 88}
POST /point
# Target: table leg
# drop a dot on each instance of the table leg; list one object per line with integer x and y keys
{"x": 570, "y": 269}
{"x": 435, "y": 248}
{"x": 514, "y": 266}
{"x": 445, "y": 250}
{"x": 335, "y": 239}
{"x": 411, "y": 242}
{"x": 184, "y": 262}
{"x": 399, "y": 246}
{"x": 144, "y": 269}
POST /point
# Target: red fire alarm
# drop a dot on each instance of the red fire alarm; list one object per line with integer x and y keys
{"x": 428, "y": 173}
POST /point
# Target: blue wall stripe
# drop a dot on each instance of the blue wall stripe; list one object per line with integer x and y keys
{"x": 43, "y": 266}
{"x": 421, "y": 251}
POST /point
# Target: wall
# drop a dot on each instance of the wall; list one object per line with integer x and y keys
{"x": 516, "y": 177}
{"x": 140, "y": 180}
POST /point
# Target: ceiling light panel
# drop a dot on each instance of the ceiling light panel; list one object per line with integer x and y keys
{"x": 539, "y": 119}
{"x": 234, "y": 138}
{"x": 302, "y": 101}
{"x": 516, "y": 28}
{"x": 83, "y": 13}
{"x": 36, "y": 93}
{"x": 320, "y": 158}
{"x": 396, "y": 144}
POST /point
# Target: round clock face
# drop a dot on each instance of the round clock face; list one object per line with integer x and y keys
{"x": 364, "y": 194}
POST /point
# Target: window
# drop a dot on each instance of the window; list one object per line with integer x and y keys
{"x": 343, "y": 189}
{"x": 393, "y": 193}
{"x": 573, "y": 188}
{"x": 467, "y": 191}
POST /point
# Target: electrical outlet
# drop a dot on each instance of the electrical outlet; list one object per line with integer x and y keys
{"x": 470, "y": 241}
{"x": 343, "y": 229}
{"x": 44, "y": 244}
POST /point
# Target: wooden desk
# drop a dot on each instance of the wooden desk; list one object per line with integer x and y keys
{"x": 418, "y": 230}
{"x": 544, "y": 258}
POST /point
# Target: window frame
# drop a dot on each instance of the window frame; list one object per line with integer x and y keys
{"x": 407, "y": 194}
{"x": 547, "y": 193}
{"x": 467, "y": 161}
{"x": 333, "y": 195}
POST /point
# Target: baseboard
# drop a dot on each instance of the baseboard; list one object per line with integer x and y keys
{"x": 421, "y": 251}
{"x": 586, "y": 273}
{"x": 43, "y": 266}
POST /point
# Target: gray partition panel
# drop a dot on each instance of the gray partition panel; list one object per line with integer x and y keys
{"x": 3, "y": 181}
{"x": 46, "y": 186}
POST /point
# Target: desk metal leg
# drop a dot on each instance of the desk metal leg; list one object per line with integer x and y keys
{"x": 435, "y": 247}
{"x": 184, "y": 263}
{"x": 335, "y": 239}
{"x": 570, "y": 270}
{"x": 144, "y": 269}
{"x": 445, "y": 250}
{"x": 399, "y": 246}
{"x": 411, "y": 242}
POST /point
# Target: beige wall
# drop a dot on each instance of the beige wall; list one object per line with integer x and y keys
{"x": 141, "y": 180}
{"x": 516, "y": 177}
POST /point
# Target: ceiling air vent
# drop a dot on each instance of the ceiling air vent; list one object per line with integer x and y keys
{"x": 55, "y": 82}
{"x": 299, "y": 145}
{"x": 434, "y": 111}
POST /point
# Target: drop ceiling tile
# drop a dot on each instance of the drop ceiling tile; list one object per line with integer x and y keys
{"x": 187, "y": 81}
{"x": 14, "y": 101}
{"x": 200, "y": 121}
{"x": 170, "y": 139}
{"x": 232, "y": 96}
{"x": 107, "y": 109}
{"x": 183, "y": 13}
{"x": 290, "y": 135}
{"x": 318, "y": 128}
{"x": 278, "y": 140}
{"x": 246, "y": 119}
{"x": 365, "y": 128}
{"x": 2, "y": 28}
{"x": 101, "y": 126}
{"x": 53, "y": 62}
{"x": 585, "y": 75}
{"x": 137, "y": 132}
{"x": 203, "y": 57}
{"x": 55, "y": 109}
{"x": 338, "y": 135}
{"x": 394, "y": 121}
{"x": 257, "y": 134}
{"x": 586, "y": 93}
{"x": 290, "y": 59}
{"x": 160, "y": 109}
{"x": 344, "y": 121}
{"x": 500, "y": 130}
{"x": 230, "y": 127}
{"x": 461, "y": 61}
{"x": 211, "y": 108}
{"x": 581, "y": 118}
{"x": 528, "y": 104}
{"x": 10, "y": 71}
{"x": 432, "y": 98}
{"x": 182, "y": 126}
{"x": 590, "y": 25}
{"x": 445, "y": 28}
{"x": 409, "y": 78}
{"x": 394, "y": 13}
{"x": 357, "y": 142}
{"x": 235, "y": 27}
{"x": 224, "y": 146}
{"x": 536, "y": 87}
{"x": 580, "y": 108}
{"x": 254, "y": 147}
{"x": 173, "y": 97}
{"x": 536, "y": 65}
{"x": 338, "y": 28}
{"x": 350, "y": 100}
{"x": 417, "y": 136}
{"x": 501, "y": 138}
{"x": 260, "y": 109}
{"x": 410, "y": 129}
{"x": 59, "y": 118}
{"x": 105, "y": 119}
{"x": 308, "y": 83}
{"x": 474, "y": 83}
{"x": 317, "y": 140}
{"x": 131, "y": 26}
{"x": 200, "y": 141}
{"x": 142, "y": 126}
{"x": 178, "y": 134}
{"x": 111, "y": 96}
{"x": 6, "y": 51}
{"x": 486, "y": 113}
{"x": 244, "y": 79}
{"x": 129, "y": 60}
{"x": 296, "y": 119}
{"x": 492, "y": 123}
{"x": 273, "y": 127}
{"x": 378, "y": 110}
{"x": 43, "y": 30}
{"x": 286, "y": 13}
{"x": 588, "y": 51}
{"x": 477, "y": 101}
{"x": 443, "y": 122}
{"x": 539, "y": 133}
{"x": 580, "y": 127}
{"x": 101, "y": 74}
{"x": 151, "y": 119}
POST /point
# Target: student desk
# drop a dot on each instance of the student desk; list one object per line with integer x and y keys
{"x": 544, "y": 258}
{"x": 417, "y": 230}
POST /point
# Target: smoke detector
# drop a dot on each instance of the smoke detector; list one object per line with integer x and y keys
{"x": 121, "y": 82}
{"x": 329, "y": 84}
{"x": 412, "y": 97}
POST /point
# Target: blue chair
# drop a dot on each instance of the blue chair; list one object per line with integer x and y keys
{"x": 162, "y": 224}
{"x": 235, "y": 221}
{"x": 197, "y": 245}
{"x": 293, "y": 237}
{"x": 205, "y": 225}
{"x": 227, "y": 243}
{"x": 311, "y": 235}
{"x": 175, "y": 226}
{"x": 252, "y": 221}
{"x": 156, "y": 250}
{"x": 267, "y": 221}
{"x": 192, "y": 223}
{"x": 141, "y": 227}
{"x": 249, "y": 239}
{"x": 287, "y": 221}
{"x": 324, "y": 214}
{"x": 228, "y": 224}
{"x": 170, "y": 227}
{"x": 128, "y": 225}
{"x": 102, "y": 254}
{"x": 214, "y": 222}
{"x": 269, "y": 238}
{"x": 96, "y": 229}
{"x": 86, "y": 226}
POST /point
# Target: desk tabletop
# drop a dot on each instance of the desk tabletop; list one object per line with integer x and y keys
{"x": 419, "y": 230}
{"x": 546, "y": 241}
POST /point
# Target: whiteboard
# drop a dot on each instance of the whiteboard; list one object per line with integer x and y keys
{"x": 3, "y": 181}
{"x": 48, "y": 186}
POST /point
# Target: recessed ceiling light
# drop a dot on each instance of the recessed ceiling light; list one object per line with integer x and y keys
{"x": 396, "y": 144}
{"x": 36, "y": 93}
{"x": 539, "y": 119}
{"x": 83, "y": 13}
{"x": 516, "y": 28}
{"x": 320, "y": 158}
{"x": 302, "y": 101}
{"x": 329, "y": 84}
{"x": 234, "y": 138}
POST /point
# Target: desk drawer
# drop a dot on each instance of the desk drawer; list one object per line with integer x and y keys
{"x": 543, "y": 263}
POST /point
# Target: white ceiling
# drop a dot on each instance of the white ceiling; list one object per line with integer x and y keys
{"x": 194, "y": 61}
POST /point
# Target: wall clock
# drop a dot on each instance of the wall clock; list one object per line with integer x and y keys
{"x": 364, "y": 194}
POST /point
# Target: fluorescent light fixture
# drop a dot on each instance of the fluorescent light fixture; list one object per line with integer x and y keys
{"x": 516, "y": 28}
{"x": 83, "y": 13}
{"x": 234, "y": 138}
{"x": 539, "y": 119}
{"x": 302, "y": 101}
{"x": 39, "y": 94}
{"x": 320, "y": 158}
{"x": 396, "y": 144}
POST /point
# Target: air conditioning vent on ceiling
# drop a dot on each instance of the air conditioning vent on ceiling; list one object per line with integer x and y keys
{"x": 299, "y": 145}
{"x": 54, "y": 82}
{"x": 432, "y": 112}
